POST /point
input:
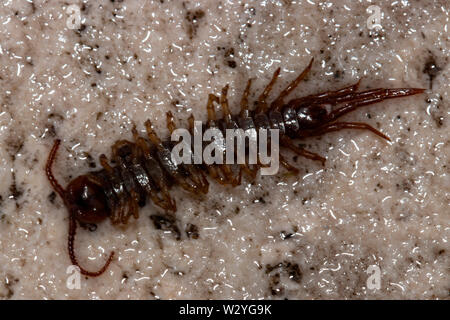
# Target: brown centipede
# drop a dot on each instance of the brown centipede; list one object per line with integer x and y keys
{"x": 144, "y": 169}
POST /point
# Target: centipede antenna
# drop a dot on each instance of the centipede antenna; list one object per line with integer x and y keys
{"x": 73, "y": 258}
{"x": 48, "y": 169}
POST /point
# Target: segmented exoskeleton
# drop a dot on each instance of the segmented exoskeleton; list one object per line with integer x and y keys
{"x": 144, "y": 169}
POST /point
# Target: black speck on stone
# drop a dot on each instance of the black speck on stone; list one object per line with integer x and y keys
{"x": 192, "y": 231}
{"x": 431, "y": 69}
{"x": 166, "y": 223}
{"x": 193, "y": 18}
{"x": 89, "y": 226}
{"x": 52, "y": 197}
{"x": 15, "y": 192}
{"x": 231, "y": 64}
{"x": 338, "y": 74}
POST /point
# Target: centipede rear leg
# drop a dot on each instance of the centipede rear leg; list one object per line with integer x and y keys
{"x": 337, "y": 126}
{"x": 370, "y": 97}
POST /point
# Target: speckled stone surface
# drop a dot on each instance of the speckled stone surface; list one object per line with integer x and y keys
{"x": 307, "y": 237}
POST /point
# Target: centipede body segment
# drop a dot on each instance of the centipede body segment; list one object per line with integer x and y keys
{"x": 143, "y": 168}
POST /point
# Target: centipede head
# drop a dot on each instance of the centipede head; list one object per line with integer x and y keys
{"x": 86, "y": 200}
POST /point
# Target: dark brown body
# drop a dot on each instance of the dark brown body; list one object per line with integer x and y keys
{"x": 144, "y": 170}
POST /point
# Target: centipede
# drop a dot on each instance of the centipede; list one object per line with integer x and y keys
{"x": 142, "y": 170}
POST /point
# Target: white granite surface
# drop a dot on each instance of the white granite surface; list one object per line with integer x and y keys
{"x": 307, "y": 237}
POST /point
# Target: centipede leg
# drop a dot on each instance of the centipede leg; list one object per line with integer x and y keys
{"x": 132, "y": 201}
{"x": 210, "y": 107}
{"x": 152, "y": 135}
{"x": 156, "y": 141}
{"x": 287, "y": 165}
{"x": 244, "y": 100}
{"x": 134, "y": 204}
{"x": 170, "y": 122}
{"x": 191, "y": 121}
{"x": 221, "y": 173}
{"x": 224, "y": 104}
{"x": 165, "y": 201}
{"x": 214, "y": 173}
{"x": 229, "y": 177}
{"x": 336, "y": 126}
{"x": 117, "y": 212}
{"x": 235, "y": 181}
{"x": 251, "y": 172}
{"x": 331, "y": 97}
{"x": 261, "y": 102}
{"x": 369, "y": 97}
{"x": 287, "y": 142}
{"x": 278, "y": 102}
{"x": 199, "y": 183}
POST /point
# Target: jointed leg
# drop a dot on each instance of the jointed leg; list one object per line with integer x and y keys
{"x": 118, "y": 212}
{"x": 251, "y": 172}
{"x": 164, "y": 201}
{"x": 170, "y": 122}
{"x": 214, "y": 173}
{"x": 345, "y": 125}
{"x": 210, "y": 107}
{"x": 261, "y": 103}
{"x": 331, "y": 97}
{"x": 229, "y": 176}
{"x": 135, "y": 204}
{"x": 288, "y": 166}
{"x": 196, "y": 182}
{"x": 278, "y": 102}
{"x": 152, "y": 135}
{"x": 224, "y": 104}
{"x": 370, "y": 97}
{"x": 286, "y": 142}
{"x": 244, "y": 99}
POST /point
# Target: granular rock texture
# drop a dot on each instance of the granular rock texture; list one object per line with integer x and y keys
{"x": 311, "y": 236}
